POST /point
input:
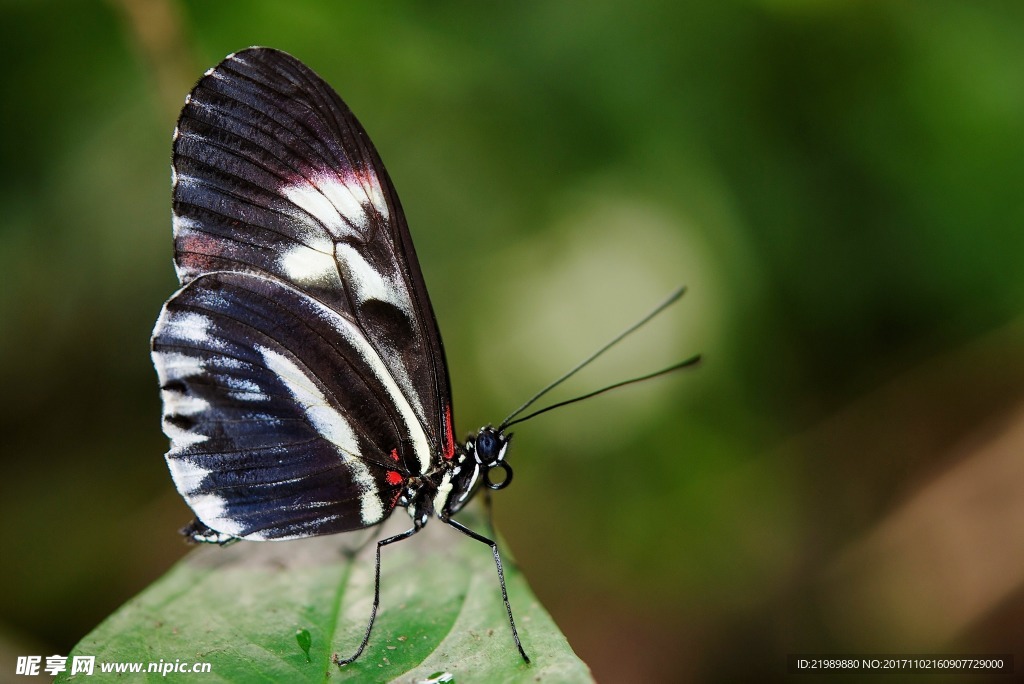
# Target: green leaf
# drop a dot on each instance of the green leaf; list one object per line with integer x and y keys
{"x": 277, "y": 611}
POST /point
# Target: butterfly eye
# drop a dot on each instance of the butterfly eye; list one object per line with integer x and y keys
{"x": 485, "y": 444}
{"x": 490, "y": 446}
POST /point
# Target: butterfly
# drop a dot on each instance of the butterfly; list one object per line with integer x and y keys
{"x": 303, "y": 378}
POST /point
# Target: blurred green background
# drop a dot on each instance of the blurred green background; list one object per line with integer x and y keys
{"x": 839, "y": 183}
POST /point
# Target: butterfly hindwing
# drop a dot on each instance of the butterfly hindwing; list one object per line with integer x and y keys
{"x": 274, "y": 176}
{"x": 281, "y": 422}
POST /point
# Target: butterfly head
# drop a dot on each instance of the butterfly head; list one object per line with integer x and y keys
{"x": 488, "y": 451}
{"x": 482, "y": 454}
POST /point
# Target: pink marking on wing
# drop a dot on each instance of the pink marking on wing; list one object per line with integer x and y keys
{"x": 194, "y": 252}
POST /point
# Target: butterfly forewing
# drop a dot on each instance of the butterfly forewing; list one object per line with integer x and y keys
{"x": 274, "y": 175}
{"x": 300, "y": 283}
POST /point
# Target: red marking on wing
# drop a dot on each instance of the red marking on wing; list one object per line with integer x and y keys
{"x": 394, "y": 478}
{"x": 449, "y": 439}
{"x": 194, "y": 252}
{"x": 394, "y": 454}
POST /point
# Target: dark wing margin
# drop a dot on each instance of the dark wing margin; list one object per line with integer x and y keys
{"x": 274, "y": 176}
{"x": 283, "y": 422}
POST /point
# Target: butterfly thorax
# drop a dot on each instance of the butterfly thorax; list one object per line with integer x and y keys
{"x": 445, "y": 491}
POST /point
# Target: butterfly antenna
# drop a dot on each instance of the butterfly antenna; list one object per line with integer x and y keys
{"x": 692, "y": 361}
{"x": 671, "y": 299}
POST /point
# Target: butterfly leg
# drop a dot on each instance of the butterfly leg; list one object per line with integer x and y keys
{"x": 376, "y": 595}
{"x": 501, "y": 577}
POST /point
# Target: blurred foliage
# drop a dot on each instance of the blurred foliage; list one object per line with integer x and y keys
{"x": 839, "y": 184}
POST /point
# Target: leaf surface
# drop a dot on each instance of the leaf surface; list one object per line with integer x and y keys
{"x": 251, "y": 609}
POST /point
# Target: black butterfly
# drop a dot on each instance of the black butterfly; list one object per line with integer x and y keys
{"x": 303, "y": 377}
